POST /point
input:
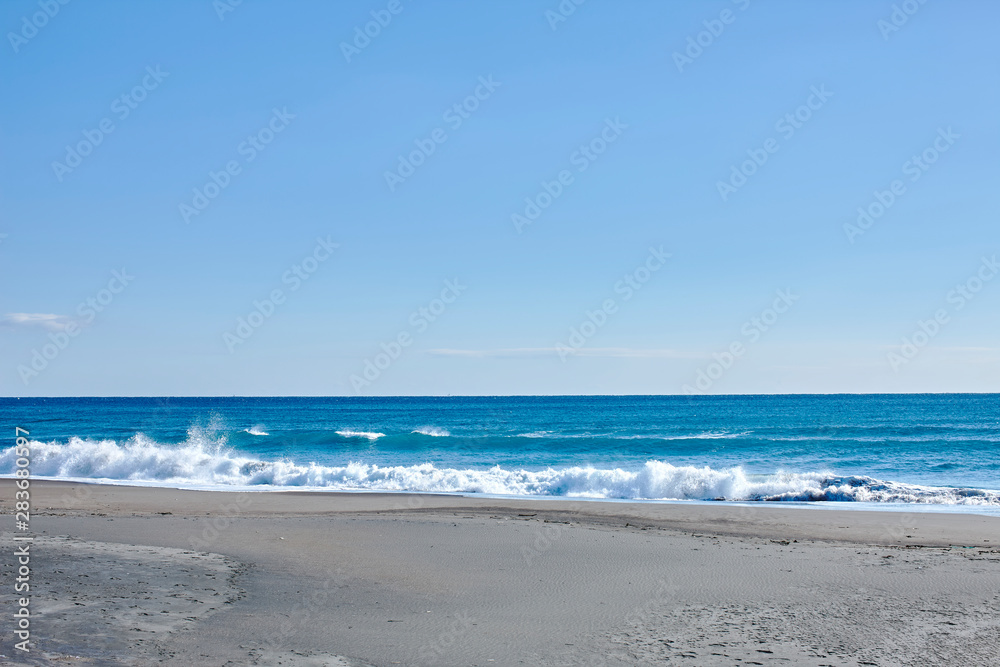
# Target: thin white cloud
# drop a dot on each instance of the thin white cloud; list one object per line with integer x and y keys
{"x": 615, "y": 352}
{"x": 44, "y": 320}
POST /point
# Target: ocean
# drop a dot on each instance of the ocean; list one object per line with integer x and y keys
{"x": 930, "y": 452}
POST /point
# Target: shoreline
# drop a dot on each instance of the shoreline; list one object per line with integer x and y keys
{"x": 770, "y": 519}
{"x": 827, "y": 505}
{"x": 323, "y": 579}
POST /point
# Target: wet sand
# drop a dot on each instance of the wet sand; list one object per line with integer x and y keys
{"x": 139, "y": 576}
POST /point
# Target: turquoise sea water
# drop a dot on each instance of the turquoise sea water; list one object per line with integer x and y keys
{"x": 931, "y": 451}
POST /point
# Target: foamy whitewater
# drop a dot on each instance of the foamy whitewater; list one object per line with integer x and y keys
{"x": 919, "y": 450}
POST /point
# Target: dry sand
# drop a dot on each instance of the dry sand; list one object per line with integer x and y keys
{"x": 141, "y": 576}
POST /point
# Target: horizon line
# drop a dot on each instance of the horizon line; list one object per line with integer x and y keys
{"x": 908, "y": 393}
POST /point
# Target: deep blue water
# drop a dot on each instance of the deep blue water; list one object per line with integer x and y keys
{"x": 873, "y": 448}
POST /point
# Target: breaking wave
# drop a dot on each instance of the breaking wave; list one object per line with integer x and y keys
{"x": 370, "y": 435}
{"x": 204, "y": 461}
{"x": 432, "y": 431}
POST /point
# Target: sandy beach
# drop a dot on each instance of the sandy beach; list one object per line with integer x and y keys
{"x": 138, "y": 576}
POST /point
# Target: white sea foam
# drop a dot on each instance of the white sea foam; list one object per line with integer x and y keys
{"x": 712, "y": 435}
{"x": 257, "y": 430}
{"x": 200, "y": 460}
{"x": 432, "y": 431}
{"x": 709, "y": 435}
{"x": 361, "y": 434}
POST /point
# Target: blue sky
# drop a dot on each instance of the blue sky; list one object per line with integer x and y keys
{"x": 640, "y": 136}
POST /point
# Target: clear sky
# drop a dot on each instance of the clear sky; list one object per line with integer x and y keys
{"x": 688, "y": 173}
